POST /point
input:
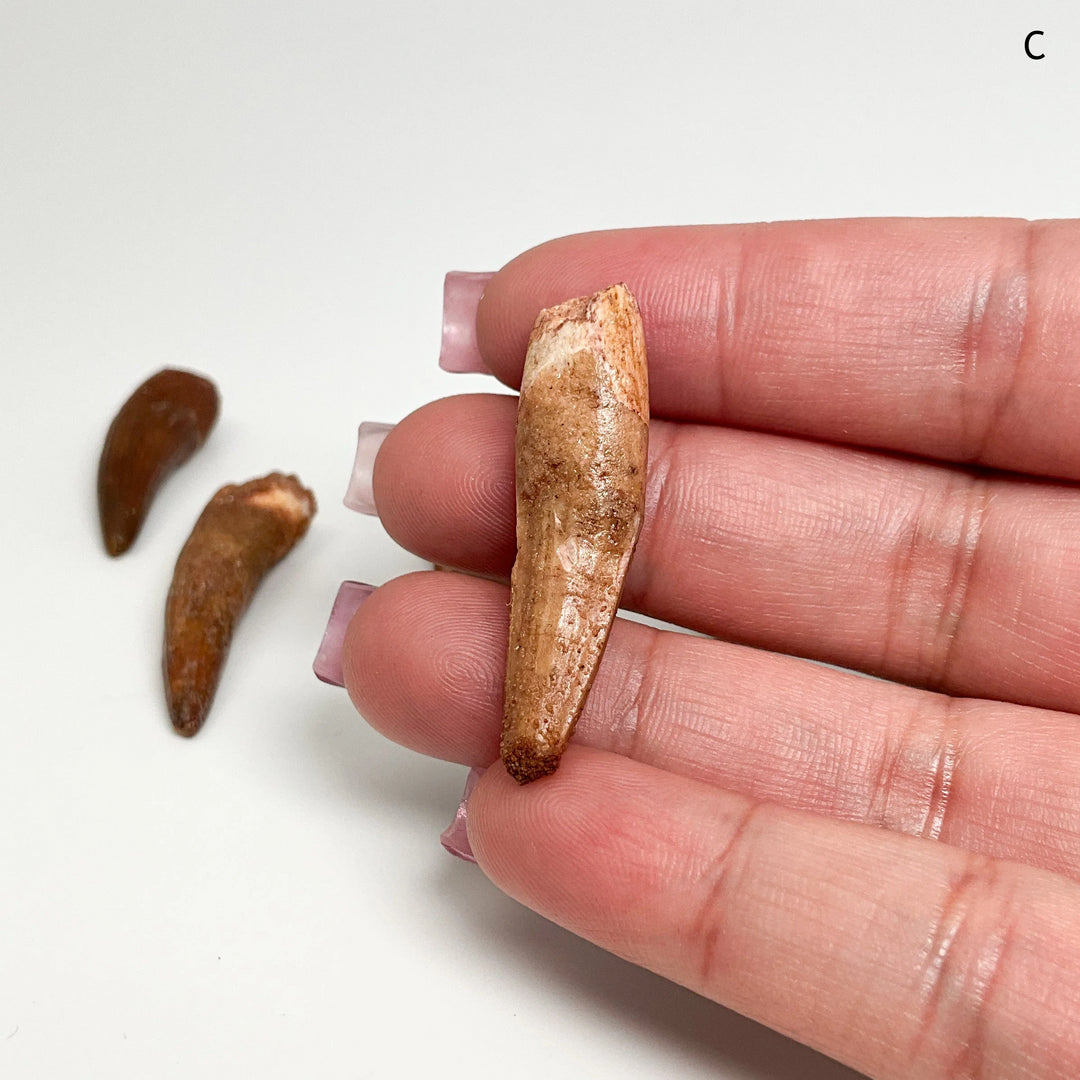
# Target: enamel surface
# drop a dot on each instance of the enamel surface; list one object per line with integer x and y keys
{"x": 581, "y": 451}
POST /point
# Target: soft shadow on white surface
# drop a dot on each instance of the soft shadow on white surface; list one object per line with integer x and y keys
{"x": 694, "y": 1031}
{"x": 577, "y": 979}
{"x": 354, "y": 764}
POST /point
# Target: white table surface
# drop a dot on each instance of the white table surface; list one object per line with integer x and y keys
{"x": 271, "y": 193}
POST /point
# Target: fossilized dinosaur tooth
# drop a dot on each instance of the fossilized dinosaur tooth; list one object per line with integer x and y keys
{"x": 157, "y": 429}
{"x": 244, "y": 530}
{"x": 581, "y": 452}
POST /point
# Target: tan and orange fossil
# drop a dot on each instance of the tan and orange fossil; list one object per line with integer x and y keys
{"x": 580, "y": 455}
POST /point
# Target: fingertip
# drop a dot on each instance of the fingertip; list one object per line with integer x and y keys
{"x": 552, "y": 844}
{"x": 422, "y": 641}
{"x": 540, "y": 277}
{"x": 450, "y": 461}
{"x": 558, "y": 270}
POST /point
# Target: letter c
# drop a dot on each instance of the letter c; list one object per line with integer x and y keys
{"x": 1027, "y": 46}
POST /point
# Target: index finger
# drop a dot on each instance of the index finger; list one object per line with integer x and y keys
{"x": 954, "y": 338}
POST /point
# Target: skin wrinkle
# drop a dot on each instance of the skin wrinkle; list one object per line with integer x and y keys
{"x": 706, "y": 932}
{"x": 904, "y": 562}
{"x": 946, "y": 761}
{"x": 966, "y": 954}
{"x": 931, "y": 777}
{"x": 930, "y": 526}
{"x": 642, "y": 703}
{"x": 662, "y": 452}
{"x": 682, "y": 729}
{"x": 976, "y": 498}
{"x": 727, "y": 324}
{"x": 1012, "y": 355}
{"x": 883, "y": 786}
{"x": 971, "y": 370}
{"x": 910, "y": 789}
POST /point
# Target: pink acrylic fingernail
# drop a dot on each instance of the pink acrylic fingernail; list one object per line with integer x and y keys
{"x": 327, "y": 666}
{"x": 461, "y": 296}
{"x": 359, "y": 495}
{"x": 455, "y": 837}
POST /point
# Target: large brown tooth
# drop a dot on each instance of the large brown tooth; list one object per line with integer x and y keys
{"x": 581, "y": 451}
{"x": 244, "y": 530}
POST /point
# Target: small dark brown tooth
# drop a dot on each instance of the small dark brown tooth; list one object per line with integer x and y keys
{"x": 581, "y": 452}
{"x": 244, "y": 530}
{"x": 156, "y": 430}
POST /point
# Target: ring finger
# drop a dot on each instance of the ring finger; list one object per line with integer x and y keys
{"x": 424, "y": 659}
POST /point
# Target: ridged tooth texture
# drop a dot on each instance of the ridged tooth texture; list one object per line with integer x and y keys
{"x": 581, "y": 453}
{"x": 244, "y": 530}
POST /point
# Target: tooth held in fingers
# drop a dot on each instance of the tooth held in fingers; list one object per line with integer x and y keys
{"x": 581, "y": 452}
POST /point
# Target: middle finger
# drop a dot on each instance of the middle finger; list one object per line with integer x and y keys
{"x": 914, "y": 571}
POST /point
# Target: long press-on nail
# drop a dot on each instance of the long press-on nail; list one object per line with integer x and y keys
{"x": 328, "y": 665}
{"x": 461, "y": 297}
{"x": 359, "y": 495}
{"x": 455, "y": 837}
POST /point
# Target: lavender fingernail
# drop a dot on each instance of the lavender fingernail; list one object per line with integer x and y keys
{"x": 461, "y": 296}
{"x": 455, "y": 837}
{"x": 328, "y": 665}
{"x": 359, "y": 495}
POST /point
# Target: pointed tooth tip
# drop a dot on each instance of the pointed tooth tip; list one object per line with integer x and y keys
{"x": 187, "y": 717}
{"x": 117, "y": 532}
{"x": 526, "y": 764}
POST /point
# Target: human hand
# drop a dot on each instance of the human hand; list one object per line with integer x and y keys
{"x": 863, "y": 451}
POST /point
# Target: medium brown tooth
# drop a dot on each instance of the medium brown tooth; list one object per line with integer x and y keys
{"x": 157, "y": 429}
{"x": 581, "y": 452}
{"x": 244, "y": 530}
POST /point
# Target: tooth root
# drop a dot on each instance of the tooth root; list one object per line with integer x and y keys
{"x": 581, "y": 451}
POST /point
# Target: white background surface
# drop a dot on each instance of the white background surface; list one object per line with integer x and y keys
{"x": 270, "y": 193}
